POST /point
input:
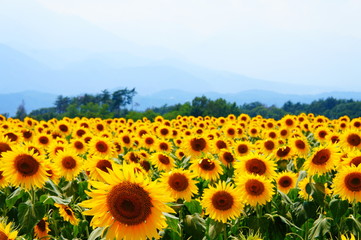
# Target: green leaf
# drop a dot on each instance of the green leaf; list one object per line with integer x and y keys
{"x": 215, "y": 229}
{"x": 338, "y": 208}
{"x": 320, "y": 227}
{"x": 168, "y": 215}
{"x": 195, "y": 226}
{"x": 194, "y": 206}
{"x": 59, "y": 200}
{"x": 13, "y": 197}
{"x": 29, "y": 215}
{"x": 318, "y": 193}
{"x": 96, "y": 233}
{"x": 46, "y": 199}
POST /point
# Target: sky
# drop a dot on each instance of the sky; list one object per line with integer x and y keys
{"x": 300, "y": 42}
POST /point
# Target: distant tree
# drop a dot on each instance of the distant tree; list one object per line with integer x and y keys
{"x": 61, "y": 104}
{"x": 21, "y": 111}
{"x": 121, "y": 98}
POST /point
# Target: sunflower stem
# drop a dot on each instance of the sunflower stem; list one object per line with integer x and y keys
{"x": 259, "y": 210}
{"x": 354, "y": 208}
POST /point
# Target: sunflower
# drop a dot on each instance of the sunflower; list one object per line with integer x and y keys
{"x": 267, "y": 146}
{"x": 63, "y": 127}
{"x": 163, "y": 161}
{"x": 14, "y": 136}
{"x": 6, "y": 231}
{"x": 226, "y": 157}
{"x": 283, "y": 152}
{"x": 195, "y": 146}
{"x": 68, "y": 163}
{"x": 257, "y": 164}
{"x": 243, "y": 148}
{"x": 347, "y": 183}
{"x": 129, "y": 205}
{"x": 97, "y": 162}
{"x": 351, "y": 139}
{"x": 27, "y": 135}
{"x": 52, "y": 172}
{"x": 101, "y": 146}
{"x": 352, "y": 158}
{"x": 300, "y": 146}
{"x": 5, "y": 144}
{"x": 132, "y": 156}
{"x": 41, "y": 229}
{"x": 222, "y": 202}
{"x": 79, "y": 132}
{"x": 148, "y": 141}
{"x": 322, "y": 160}
{"x": 321, "y": 133}
{"x": 206, "y": 167}
{"x": 255, "y": 189}
{"x": 43, "y": 140}
{"x": 218, "y": 144}
{"x": 126, "y": 140}
{"x": 179, "y": 184}
{"x": 67, "y": 213}
{"x": 286, "y": 181}
{"x": 163, "y": 146}
{"x": 79, "y": 145}
{"x": 23, "y": 167}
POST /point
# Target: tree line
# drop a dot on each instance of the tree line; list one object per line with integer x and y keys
{"x": 116, "y": 104}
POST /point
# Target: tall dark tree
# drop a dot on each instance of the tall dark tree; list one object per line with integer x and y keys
{"x": 21, "y": 111}
{"x": 61, "y": 104}
{"x": 121, "y": 98}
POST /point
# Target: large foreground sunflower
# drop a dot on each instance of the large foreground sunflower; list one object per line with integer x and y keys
{"x": 222, "y": 202}
{"x": 23, "y": 167}
{"x": 129, "y": 205}
{"x": 347, "y": 183}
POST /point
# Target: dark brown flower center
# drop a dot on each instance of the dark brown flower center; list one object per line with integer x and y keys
{"x": 3, "y": 236}
{"x": 178, "y": 182}
{"x": 228, "y": 157}
{"x": 68, "y": 162}
{"x": 12, "y": 136}
{"x": 289, "y": 122}
{"x": 64, "y": 128}
{"x": 164, "y": 131}
{"x": 149, "y": 140}
{"x": 145, "y": 165}
{"x": 163, "y": 159}
{"x": 231, "y": 131}
{"x": 198, "y": 144}
{"x": 129, "y": 203}
{"x": 80, "y": 132}
{"x": 164, "y": 146}
{"x": 354, "y": 139}
{"x": 134, "y": 157}
{"x": 269, "y": 145}
{"x": 322, "y": 134}
{"x": 256, "y": 166}
{"x": 126, "y": 139}
{"x": 300, "y": 144}
{"x": 41, "y": 225}
{"x": 26, "y": 165}
{"x": 242, "y": 148}
{"x": 356, "y": 161}
{"x": 222, "y": 200}
{"x": 78, "y": 145}
{"x": 104, "y": 165}
{"x": 284, "y": 132}
{"x": 254, "y": 187}
{"x": 4, "y": 147}
{"x": 44, "y": 140}
{"x": 207, "y": 164}
{"x": 283, "y": 152}
{"x": 221, "y": 144}
{"x": 353, "y": 181}
{"x": 27, "y": 134}
{"x": 321, "y": 157}
{"x": 101, "y": 146}
{"x": 285, "y": 181}
{"x": 100, "y": 127}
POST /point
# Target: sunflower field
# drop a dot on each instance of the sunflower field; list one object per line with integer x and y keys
{"x": 233, "y": 177}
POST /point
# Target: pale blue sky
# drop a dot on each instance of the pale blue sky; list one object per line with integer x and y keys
{"x": 305, "y": 42}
